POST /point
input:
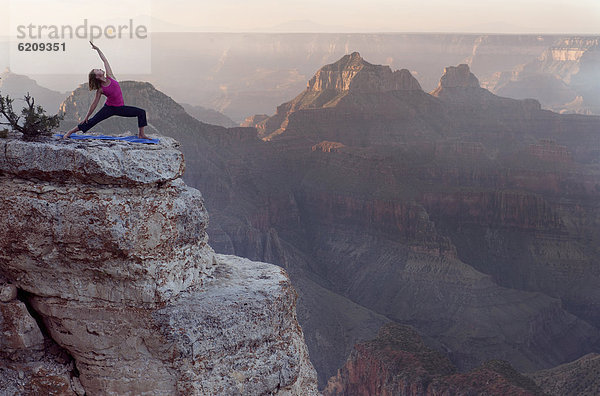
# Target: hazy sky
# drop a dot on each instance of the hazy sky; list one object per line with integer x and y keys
{"x": 503, "y": 16}
{"x": 488, "y": 16}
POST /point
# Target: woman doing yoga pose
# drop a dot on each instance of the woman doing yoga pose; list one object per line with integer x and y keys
{"x": 114, "y": 104}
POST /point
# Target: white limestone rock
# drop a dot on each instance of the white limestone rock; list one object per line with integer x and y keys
{"x": 235, "y": 335}
{"x": 93, "y": 161}
{"x": 111, "y": 247}
{"x": 130, "y": 245}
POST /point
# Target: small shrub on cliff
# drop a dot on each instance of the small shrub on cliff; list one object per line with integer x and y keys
{"x": 35, "y": 122}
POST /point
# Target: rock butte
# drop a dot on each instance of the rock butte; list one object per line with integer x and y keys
{"x": 108, "y": 249}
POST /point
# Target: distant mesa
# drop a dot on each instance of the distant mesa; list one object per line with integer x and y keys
{"x": 340, "y": 84}
{"x": 17, "y": 85}
{"x": 458, "y": 86}
{"x": 456, "y": 77}
{"x": 354, "y": 89}
{"x": 208, "y": 115}
{"x": 352, "y": 72}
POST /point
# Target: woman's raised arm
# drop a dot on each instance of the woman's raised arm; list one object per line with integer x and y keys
{"x": 109, "y": 72}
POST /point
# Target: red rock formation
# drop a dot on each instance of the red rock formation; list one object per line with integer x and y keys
{"x": 396, "y": 220}
{"x": 327, "y": 147}
{"x": 397, "y": 363}
{"x": 460, "y": 148}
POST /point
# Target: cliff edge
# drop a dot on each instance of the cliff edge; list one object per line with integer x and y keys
{"x": 108, "y": 284}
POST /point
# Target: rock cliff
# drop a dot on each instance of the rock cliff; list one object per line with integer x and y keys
{"x": 109, "y": 284}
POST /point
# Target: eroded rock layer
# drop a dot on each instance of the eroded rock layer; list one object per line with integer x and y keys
{"x": 109, "y": 248}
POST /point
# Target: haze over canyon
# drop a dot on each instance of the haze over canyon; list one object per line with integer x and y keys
{"x": 431, "y": 203}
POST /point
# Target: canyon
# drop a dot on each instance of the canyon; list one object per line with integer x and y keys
{"x": 471, "y": 217}
{"x": 241, "y": 74}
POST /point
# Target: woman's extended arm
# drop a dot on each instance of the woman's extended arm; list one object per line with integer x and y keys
{"x": 109, "y": 72}
{"x": 93, "y": 105}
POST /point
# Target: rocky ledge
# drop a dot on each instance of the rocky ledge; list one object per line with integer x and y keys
{"x": 109, "y": 285}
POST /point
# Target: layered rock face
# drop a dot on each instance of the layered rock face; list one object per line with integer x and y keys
{"x": 30, "y": 363}
{"x": 397, "y": 362}
{"x": 109, "y": 248}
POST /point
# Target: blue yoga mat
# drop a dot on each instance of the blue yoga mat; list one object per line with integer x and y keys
{"x": 133, "y": 139}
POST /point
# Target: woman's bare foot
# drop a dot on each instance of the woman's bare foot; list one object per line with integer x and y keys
{"x": 141, "y": 134}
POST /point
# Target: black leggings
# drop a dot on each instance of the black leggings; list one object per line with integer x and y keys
{"x": 107, "y": 111}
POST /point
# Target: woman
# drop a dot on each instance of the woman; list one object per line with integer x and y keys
{"x": 114, "y": 104}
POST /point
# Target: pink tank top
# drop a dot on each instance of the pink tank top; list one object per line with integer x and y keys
{"x": 114, "y": 96}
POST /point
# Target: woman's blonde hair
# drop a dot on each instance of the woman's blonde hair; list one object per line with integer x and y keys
{"x": 93, "y": 81}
